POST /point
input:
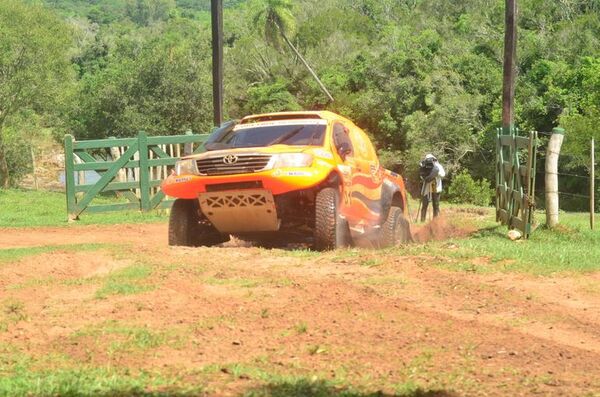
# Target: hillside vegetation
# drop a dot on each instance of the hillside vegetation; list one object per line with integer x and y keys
{"x": 418, "y": 75}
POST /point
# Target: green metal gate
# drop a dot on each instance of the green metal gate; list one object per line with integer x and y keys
{"x": 142, "y": 154}
{"x": 515, "y": 179}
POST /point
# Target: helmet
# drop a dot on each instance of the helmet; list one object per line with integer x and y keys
{"x": 430, "y": 156}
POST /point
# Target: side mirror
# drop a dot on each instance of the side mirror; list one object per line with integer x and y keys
{"x": 344, "y": 149}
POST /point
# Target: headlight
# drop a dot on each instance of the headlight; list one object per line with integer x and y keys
{"x": 291, "y": 160}
{"x": 183, "y": 167}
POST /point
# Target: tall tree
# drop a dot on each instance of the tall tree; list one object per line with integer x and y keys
{"x": 275, "y": 19}
{"x": 34, "y": 64}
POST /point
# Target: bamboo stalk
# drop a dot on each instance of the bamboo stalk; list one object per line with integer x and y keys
{"x": 33, "y": 164}
{"x": 592, "y": 187}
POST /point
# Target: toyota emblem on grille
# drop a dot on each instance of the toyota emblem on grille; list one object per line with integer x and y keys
{"x": 230, "y": 159}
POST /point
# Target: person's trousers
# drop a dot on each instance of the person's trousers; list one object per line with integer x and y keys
{"x": 435, "y": 198}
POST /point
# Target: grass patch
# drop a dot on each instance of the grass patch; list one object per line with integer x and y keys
{"x": 128, "y": 281}
{"x": 12, "y": 311}
{"x": 19, "y": 379}
{"x": 371, "y": 262}
{"x": 394, "y": 281}
{"x": 210, "y": 323}
{"x": 14, "y": 254}
{"x": 569, "y": 248}
{"x": 281, "y": 385}
{"x": 129, "y": 338}
{"x": 301, "y": 328}
{"x": 234, "y": 281}
{"x": 22, "y": 208}
{"x": 303, "y": 253}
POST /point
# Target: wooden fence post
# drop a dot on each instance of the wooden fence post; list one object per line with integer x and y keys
{"x": 115, "y": 153}
{"x": 553, "y": 152}
{"x": 80, "y": 176}
{"x": 70, "y": 178}
{"x": 144, "y": 171}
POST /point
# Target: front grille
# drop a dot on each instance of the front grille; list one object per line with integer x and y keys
{"x": 245, "y": 163}
{"x": 219, "y": 187}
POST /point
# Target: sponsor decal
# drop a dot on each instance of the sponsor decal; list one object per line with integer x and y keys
{"x": 183, "y": 179}
{"x": 344, "y": 169}
{"x": 292, "y": 173}
{"x": 374, "y": 168}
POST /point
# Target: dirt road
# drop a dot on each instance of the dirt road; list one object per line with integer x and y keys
{"x": 224, "y": 317}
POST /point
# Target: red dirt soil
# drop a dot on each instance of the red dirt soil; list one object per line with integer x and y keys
{"x": 362, "y": 317}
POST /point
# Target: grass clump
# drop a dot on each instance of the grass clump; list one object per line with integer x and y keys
{"x": 12, "y": 311}
{"x": 128, "y": 281}
{"x": 301, "y": 328}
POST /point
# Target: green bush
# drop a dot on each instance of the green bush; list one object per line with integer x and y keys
{"x": 465, "y": 190}
{"x": 18, "y": 156}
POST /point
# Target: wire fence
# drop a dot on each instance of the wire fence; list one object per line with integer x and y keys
{"x": 574, "y": 187}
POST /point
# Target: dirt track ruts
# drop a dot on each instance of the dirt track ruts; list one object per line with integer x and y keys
{"x": 493, "y": 334}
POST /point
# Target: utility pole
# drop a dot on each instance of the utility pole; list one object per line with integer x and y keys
{"x": 510, "y": 66}
{"x": 217, "y": 59}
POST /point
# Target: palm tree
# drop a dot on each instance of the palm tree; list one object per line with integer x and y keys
{"x": 277, "y": 22}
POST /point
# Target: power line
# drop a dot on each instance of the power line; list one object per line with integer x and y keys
{"x": 567, "y": 174}
{"x": 574, "y": 195}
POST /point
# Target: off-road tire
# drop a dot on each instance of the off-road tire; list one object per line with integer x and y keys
{"x": 395, "y": 230}
{"x": 188, "y": 228}
{"x": 331, "y": 231}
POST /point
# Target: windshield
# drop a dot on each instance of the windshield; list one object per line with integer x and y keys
{"x": 255, "y": 135}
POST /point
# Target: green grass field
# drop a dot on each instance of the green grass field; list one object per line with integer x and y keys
{"x": 571, "y": 247}
{"x": 26, "y": 208}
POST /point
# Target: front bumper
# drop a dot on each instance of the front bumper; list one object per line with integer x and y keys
{"x": 277, "y": 181}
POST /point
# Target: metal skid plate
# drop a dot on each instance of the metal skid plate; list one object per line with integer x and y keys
{"x": 240, "y": 211}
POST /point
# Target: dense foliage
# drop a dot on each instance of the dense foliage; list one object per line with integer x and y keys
{"x": 464, "y": 189}
{"x": 419, "y": 75}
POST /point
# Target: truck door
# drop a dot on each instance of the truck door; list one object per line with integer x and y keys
{"x": 367, "y": 179}
{"x": 347, "y": 166}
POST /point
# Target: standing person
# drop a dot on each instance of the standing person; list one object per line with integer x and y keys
{"x": 431, "y": 172}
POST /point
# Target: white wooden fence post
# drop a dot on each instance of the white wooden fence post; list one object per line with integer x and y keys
{"x": 556, "y": 140}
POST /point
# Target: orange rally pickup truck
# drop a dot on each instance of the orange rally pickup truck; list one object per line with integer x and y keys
{"x": 308, "y": 176}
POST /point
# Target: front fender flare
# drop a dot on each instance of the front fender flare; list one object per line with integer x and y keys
{"x": 388, "y": 191}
